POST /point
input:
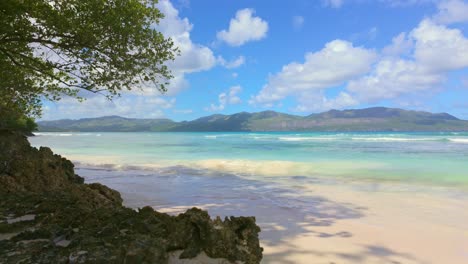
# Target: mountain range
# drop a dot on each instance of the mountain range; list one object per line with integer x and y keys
{"x": 375, "y": 119}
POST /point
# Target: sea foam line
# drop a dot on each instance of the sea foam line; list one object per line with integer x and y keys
{"x": 459, "y": 140}
{"x": 306, "y": 138}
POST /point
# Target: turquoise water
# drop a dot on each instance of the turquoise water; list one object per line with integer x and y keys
{"x": 430, "y": 158}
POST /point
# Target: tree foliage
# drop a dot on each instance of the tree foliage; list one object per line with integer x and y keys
{"x": 55, "y": 48}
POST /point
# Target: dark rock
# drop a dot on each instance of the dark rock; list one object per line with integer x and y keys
{"x": 23, "y": 168}
{"x": 86, "y": 223}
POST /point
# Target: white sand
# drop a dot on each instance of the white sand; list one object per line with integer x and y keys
{"x": 394, "y": 228}
{"x": 391, "y": 228}
{"x": 337, "y": 223}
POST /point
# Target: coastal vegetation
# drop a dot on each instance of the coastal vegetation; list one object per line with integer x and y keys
{"x": 55, "y": 49}
{"x": 50, "y": 50}
{"x": 377, "y": 119}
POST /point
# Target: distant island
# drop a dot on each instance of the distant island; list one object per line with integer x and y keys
{"x": 375, "y": 119}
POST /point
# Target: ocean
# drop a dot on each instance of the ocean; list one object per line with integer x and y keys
{"x": 423, "y": 158}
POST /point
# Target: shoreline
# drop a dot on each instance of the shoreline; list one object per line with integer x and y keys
{"x": 317, "y": 222}
{"x": 316, "y": 201}
{"x": 278, "y": 172}
{"x": 48, "y": 214}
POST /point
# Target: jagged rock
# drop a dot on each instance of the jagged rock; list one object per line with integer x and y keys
{"x": 24, "y": 168}
{"x": 86, "y": 223}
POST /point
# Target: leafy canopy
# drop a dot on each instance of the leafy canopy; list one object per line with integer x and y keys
{"x": 52, "y": 48}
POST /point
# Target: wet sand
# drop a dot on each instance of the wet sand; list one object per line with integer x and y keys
{"x": 309, "y": 220}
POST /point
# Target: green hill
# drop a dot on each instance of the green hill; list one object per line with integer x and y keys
{"x": 106, "y": 123}
{"x": 365, "y": 120}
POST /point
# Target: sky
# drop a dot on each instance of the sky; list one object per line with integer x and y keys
{"x": 301, "y": 57}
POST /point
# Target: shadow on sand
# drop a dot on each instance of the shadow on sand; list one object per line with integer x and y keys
{"x": 283, "y": 214}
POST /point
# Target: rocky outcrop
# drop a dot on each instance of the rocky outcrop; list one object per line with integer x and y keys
{"x": 48, "y": 215}
{"x": 24, "y": 168}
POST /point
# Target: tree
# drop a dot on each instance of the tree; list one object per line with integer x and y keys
{"x": 55, "y": 48}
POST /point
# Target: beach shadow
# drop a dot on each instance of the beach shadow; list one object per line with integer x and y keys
{"x": 365, "y": 254}
{"x": 283, "y": 214}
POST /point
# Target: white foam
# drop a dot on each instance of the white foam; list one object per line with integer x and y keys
{"x": 54, "y": 134}
{"x": 459, "y": 140}
{"x": 306, "y": 138}
{"x": 64, "y": 135}
{"x": 394, "y": 139}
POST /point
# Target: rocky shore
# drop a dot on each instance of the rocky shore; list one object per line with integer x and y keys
{"x": 49, "y": 215}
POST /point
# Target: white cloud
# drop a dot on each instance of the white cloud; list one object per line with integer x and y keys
{"x": 231, "y": 64}
{"x": 235, "y": 75}
{"x": 401, "y": 45}
{"x": 440, "y": 48}
{"x": 451, "y": 11}
{"x": 193, "y": 57}
{"x": 336, "y": 63}
{"x": 316, "y": 102}
{"x": 244, "y": 28}
{"x": 414, "y": 65}
{"x": 147, "y": 101}
{"x": 391, "y": 78}
{"x": 434, "y": 50}
{"x": 128, "y": 106}
{"x": 298, "y": 22}
{"x": 226, "y": 98}
{"x": 233, "y": 92}
{"x": 333, "y": 3}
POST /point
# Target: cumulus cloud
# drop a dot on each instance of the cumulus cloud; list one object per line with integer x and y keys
{"x": 147, "y": 101}
{"x": 232, "y": 96}
{"x": 452, "y": 11}
{"x": 435, "y": 50}
{"x": 193, "y": 57}
{"x": 226, "y": 98}
{"x": 401, "y": 45}
{"x": 336, "y": 63}
{"x": 315, "y": 102}
{"x": 243, "y": 28}
{"x": 440, "y": 48}
{"x": 415, "y": 64}
{"x": 231, "y": 64}
{"x": 393, "y": 77}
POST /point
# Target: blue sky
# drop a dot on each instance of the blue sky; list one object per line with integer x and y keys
{"x": 302, "y": 57}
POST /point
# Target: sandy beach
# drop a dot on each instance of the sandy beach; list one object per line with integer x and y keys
{"x": 317, "y": 222}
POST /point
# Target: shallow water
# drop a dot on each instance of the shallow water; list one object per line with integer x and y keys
{"x": 429, "y": 158}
